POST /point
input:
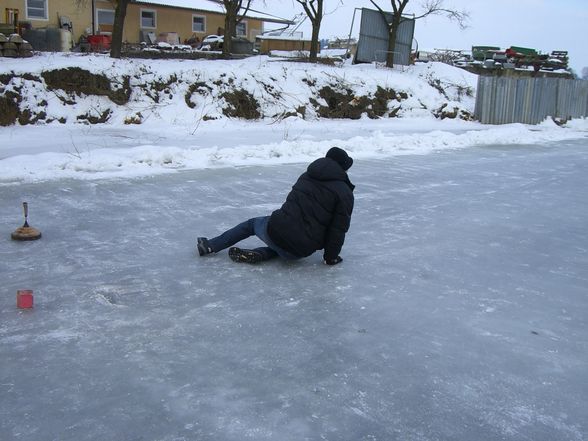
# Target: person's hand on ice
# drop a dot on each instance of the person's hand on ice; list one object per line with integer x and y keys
{"x": 335, "y": 261}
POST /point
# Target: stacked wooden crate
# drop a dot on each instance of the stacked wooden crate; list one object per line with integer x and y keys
{"x": 14, "y": 46}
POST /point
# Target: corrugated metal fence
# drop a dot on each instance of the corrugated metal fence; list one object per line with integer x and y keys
{"x": 503, "y": 100}
{"x": 373, "y": 38}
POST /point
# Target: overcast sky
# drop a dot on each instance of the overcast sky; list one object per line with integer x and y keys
{"x": 545, "y": 25}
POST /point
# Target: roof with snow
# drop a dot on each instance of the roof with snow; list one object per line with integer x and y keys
{"x": 285, "y": 36}
{"x": 214, "y": 6}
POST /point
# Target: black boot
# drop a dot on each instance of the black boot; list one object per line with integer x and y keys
{"x": 203, "y": 246}
{"x": 245, "y": 256}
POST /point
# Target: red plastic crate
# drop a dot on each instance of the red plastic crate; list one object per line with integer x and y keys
{"x": 99, "y": 42}
{"x": 24, "y": 298}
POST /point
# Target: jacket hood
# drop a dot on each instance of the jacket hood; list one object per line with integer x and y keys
{"x": 327, "y": 169}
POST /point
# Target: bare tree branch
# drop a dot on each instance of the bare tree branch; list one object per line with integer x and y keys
{"x": 239, "y": 19}
{"x": 435, "y": 7}
{"x": 377, "y": 7}
{"x": 429, "y": 7}
{"x": 337, "y": 6}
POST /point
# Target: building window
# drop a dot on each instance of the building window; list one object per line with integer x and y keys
{"x": 37, "y": 9}
{"x": 242, "y": 29}
{"x": 105, "y": 20}
{"x": 198, "y": 23}
{"x": 148, "y": 19}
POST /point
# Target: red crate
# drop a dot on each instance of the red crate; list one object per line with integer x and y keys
{"x": 24, "y": 298}
{"x": 99, "y": 42}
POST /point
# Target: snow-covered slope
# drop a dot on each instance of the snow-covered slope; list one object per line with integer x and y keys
{"x": 59, "y": 87}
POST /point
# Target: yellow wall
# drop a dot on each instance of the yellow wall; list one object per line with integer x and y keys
{"x": 273, "y": 44}
{"x": 80, "y": 17}
{"x": 168, "y": 19}
{"x": 180, "y": 21}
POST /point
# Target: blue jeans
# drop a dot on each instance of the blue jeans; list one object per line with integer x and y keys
{"x": 255, "y": 226}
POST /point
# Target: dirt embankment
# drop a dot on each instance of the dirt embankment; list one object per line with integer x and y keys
{"x": 25, "y": 98}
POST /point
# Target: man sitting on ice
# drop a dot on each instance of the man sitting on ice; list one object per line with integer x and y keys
{"x": 315, "y": 216}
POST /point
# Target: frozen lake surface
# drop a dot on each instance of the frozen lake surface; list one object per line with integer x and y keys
{"x": 460, "y": 311}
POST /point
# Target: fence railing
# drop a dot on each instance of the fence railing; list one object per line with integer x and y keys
{"x": 503, "y": 100}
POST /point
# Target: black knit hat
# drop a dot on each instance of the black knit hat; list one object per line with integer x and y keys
{"x": 341, "y": 157}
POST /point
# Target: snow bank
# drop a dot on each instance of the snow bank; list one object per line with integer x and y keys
{"x": 148, "y": 159}
{"x": 183, "y": 91}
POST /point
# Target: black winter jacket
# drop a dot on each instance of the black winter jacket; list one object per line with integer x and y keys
{"x": 317, "y": 212}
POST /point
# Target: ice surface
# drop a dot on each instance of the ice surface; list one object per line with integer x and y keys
{"x": 459, "y": 313}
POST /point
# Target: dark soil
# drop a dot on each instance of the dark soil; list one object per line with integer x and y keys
{"x": 201, "y": 87}
{"x": 344, "y": 104}
{"x": 9, "y": 109}
{"x": 93, "y": 119}
{"x": 80, "y": 81}
{"x": 241, "y": 104}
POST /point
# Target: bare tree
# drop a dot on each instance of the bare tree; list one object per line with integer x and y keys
{"x": 429, "y": 7}
{"x": 585, "y": 73}
{"x": 314, "y": 11}
{"x": 120, "y": 14}
{"x": 233, "y": 16}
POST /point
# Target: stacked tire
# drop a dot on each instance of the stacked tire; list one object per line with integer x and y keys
{"x": 15, "y": 47}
